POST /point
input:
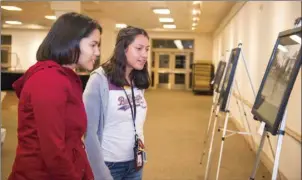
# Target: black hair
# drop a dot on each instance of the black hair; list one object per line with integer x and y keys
{"x": 115, "y": 67}
{"x": 62, "y": 43}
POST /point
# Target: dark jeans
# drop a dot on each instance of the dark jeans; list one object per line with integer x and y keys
{"x": 124, "y": 170}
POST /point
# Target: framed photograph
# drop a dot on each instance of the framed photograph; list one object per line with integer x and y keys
{"x": 228, "y": 79}
{"x": 218, "y": 76}
{"x": 278, "y": 80}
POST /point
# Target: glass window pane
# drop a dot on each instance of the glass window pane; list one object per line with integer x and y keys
{"x": 171, "y": 43}
{"x": 153, "y": 59}
{"x": 152, "y": 78}
{"x": 190, "y": 85}
{"x": 164, "y": 61}
{"x": 163, "y": 78}
{"x": 6, "y": 39}
{"x": 179, "y": 78}
{"x": 158, "y": 43}
{"x": 188, "y": 44}
{"x": 180, "y": 61}
{"x": 4, "y": 56}
{"x": 191, "y": 59}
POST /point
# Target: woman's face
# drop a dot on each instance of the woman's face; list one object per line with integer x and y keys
{"x": 137, "y": 52}
{"x": 90, "y": 50}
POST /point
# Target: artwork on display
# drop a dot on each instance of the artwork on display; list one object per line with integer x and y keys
{"x": 278, "y": 80}
{"x": 228, "y": 79}
{"x": 218, "y": 76}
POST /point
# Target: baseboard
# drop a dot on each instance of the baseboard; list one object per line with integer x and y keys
{"x": 263, "y": 157}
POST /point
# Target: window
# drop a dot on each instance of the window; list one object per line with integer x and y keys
{"x": 172, "y": 43}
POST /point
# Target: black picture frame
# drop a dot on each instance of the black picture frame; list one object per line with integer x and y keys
{"x": 228, "y": 79}
{"x": 278, "y": 80}
{"x": 218, "y": 76}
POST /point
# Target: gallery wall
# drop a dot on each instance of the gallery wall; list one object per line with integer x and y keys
{"x": 256, "y": 25}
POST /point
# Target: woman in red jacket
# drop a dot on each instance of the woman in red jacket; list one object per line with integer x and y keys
{"x": 51, "y": 114}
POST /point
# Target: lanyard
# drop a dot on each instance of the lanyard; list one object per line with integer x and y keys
{"x": 133, "y": 110}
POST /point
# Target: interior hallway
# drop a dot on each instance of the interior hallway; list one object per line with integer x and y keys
{"x": 174, "y": 132}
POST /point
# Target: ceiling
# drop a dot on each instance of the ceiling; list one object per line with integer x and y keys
{"x": 135, "y": 13}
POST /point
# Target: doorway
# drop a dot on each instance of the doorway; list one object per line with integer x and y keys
{"x": 171, "y": 70}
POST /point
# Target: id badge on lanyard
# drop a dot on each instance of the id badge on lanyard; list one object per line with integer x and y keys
{"x": 139, "y": 148}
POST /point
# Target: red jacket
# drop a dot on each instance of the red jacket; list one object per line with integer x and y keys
{"x": 51, "y": 123}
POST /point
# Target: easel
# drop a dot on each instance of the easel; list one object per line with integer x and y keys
{"x": 228, "y": 112}
{"x": 280, "y": 134}
{"x": 224, "y": 131}
{"x": 226, "y": 121}
{"x": 245, "y": 114}
{"x": 214, "y": 106}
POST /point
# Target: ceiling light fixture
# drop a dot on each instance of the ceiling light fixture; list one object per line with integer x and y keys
{"x": 121, "y": 26}
{"x": 194, "y": 24}
{"x": 169, "y": 26}
{"x": 193, "y": 28}
{"x": 195, "y": 19}
{"x": 196, "y": 2}
{"x": 34, "y": 26}
{"x": 166, "y": 20}
{"x": 13, "y": 22}
{"x": 11, "y": 8}
{"x": 195, "y": 11}
{"x": 161, "y": 11}
{"x": 51, "y": 17}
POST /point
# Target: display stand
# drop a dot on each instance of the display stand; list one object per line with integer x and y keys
{"x": 216, "y": 83}
{"x": 227, "y": 119}
{"x": 225, "y": 124}
{"x": 230, "y": 72}
{"x": 213, "y": 111}
{"x": 281, "y": 131}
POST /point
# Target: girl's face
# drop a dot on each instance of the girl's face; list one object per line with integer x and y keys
{"x": 137, "y": 52}
{"x": 89, "y": 50}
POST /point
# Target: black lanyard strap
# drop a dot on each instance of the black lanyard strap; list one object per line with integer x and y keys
{"x": 133, "y": 109}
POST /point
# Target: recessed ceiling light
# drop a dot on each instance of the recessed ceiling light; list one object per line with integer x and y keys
{"x": 161, "y": 11}
{"x": 121, "y": 25}
{"x": 166, "y": 20}
{"x": 51, "y": 17}
{"x": 11, "y": 8}
{"x": 169, "y": 26}
{"x": 196, "y": 2}
{"x": 195, "y": 11}
{"x": 194, "y": 24}
{"x": 13, "y": 22}
{"x": 34, "y": 26}
{"x": 195, "y": 18}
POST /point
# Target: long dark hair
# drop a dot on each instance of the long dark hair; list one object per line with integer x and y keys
{"x": 62, "y": 43}
{"x": 115, "y": 67}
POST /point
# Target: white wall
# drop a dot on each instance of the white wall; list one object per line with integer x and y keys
{"x": 108, "y": 39}
{"x": 25, "y": 43}
{"x": 257, "y": 25}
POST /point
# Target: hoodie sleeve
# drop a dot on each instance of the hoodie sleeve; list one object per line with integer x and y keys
{"x": 48, "y": 98}
{"x": 92, "y": 101}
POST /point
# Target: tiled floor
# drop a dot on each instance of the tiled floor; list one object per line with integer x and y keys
{"x": 174, "y": 133}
